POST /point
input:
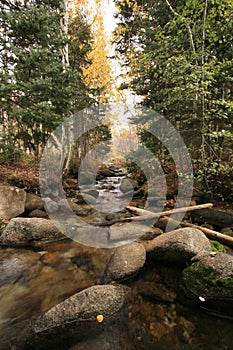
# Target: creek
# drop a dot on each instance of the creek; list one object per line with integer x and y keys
{"x": 34, "y": 280}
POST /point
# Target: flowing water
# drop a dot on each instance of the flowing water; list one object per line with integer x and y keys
{"x": 110, "y": 195}
{"x": 32, "y": 281}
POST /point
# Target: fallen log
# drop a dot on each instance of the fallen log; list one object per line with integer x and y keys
{"x": 211, "y": 234}
{"x": 145, "y": 214}
{"x": 214, "y": 217}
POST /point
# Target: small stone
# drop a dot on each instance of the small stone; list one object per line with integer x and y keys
{"x": 127, "y": 185}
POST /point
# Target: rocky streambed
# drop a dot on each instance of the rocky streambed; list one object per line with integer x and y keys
{"x": 162, "y": 291}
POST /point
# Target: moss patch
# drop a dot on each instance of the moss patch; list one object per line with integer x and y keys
{"x": 217, "y": 247}
{"x": 205, "y": 277}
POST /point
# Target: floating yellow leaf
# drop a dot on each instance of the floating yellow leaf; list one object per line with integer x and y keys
{"x": 100, "y": 318}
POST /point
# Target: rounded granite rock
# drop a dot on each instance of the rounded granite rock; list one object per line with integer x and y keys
{"x": 126, "y": 261}
{"x": 178, "y": 246}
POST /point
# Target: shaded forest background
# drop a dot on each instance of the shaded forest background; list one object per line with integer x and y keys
{"x": 176, "y": 55}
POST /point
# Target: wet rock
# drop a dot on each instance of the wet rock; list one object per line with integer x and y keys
{"x": 128, "y": 232}
{"x": 213, "y": 216}
{"x": 14, "y": 263}
{"x": 177, "y": 246}
{"x": 32, "y": 283}
{"x": 12, "y": 201}
{"x": 33, "y": 202}
{"x": 103, "y": 300}
{"x": 76, "y": 317}
{"x": 128, "y": 185}
{"x": 29, "y": 232}
{"x": 79, "y": 209}
{"x": 105, "y": 173}
{"x": 93, "y": 193}
{"x": 209, "y": 280}
{"x": 126, "y": 262}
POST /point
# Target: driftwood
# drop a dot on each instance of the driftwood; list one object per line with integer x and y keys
{"x": 211, "y": 234}
{"x": 145, "y": 214}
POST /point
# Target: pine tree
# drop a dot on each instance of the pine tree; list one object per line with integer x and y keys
{"x": 38, "y": 89}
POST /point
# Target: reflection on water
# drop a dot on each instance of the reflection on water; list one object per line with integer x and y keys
{"x": 33, "y": 282}
{"x": 41, "y": 279}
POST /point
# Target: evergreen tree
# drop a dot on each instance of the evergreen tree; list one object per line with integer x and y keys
{"x": 38, "y": 90}
{"x": 179, "y": 57}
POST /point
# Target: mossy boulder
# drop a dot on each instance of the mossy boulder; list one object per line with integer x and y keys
{"x": 209, "y": 281}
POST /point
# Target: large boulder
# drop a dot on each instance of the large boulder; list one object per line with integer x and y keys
{"x": 210, "y": 280}
{"x": 29, "y": 232}
{"x": 126, "y": 261}
{"x": 12, "y": 201}
{"x": 79, "y": 316}
{"x": 178, "y": 246}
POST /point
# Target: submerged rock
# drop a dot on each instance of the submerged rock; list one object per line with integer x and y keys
{"x": 15, "y": 263}
{"x": 178, "y": 246}
{"x": 126, "y": 261}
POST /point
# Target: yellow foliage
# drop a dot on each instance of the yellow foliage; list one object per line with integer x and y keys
{"x": 98, "y": 74}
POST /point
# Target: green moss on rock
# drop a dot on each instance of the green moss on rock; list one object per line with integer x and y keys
{"x": 217, "y": 247}
{"x": 201, "y": 278}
